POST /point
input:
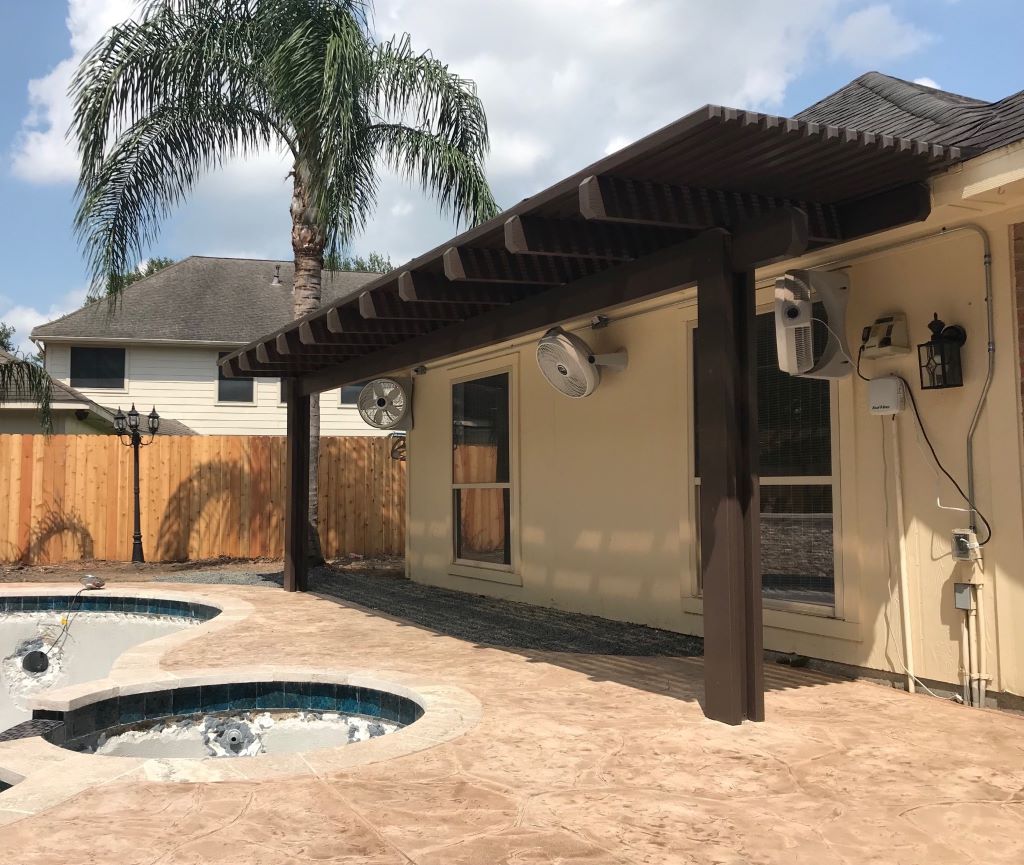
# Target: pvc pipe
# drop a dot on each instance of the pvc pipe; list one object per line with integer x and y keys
{"x": 904, "y": 579}
{"x": 972, "y": 638}
{"x": 982, "y": 669}
{"x": 965, "y": 662}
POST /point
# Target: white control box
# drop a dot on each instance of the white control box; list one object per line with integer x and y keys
{"x": 887, "y": 337}
{"x": 886, "y": 395}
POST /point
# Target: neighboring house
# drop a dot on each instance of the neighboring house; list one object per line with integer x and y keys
{"x": 72, "y": 413}
{"x": 597, "y": 504}
{"x": 159, "y": 345}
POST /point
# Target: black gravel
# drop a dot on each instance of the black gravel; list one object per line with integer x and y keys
{"x": 475, "y": 618}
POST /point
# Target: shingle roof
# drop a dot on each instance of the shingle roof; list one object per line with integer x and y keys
{"x": 225, "y": 300}
{"x": 62, "y": 393}
{"x": 891, "y": 106}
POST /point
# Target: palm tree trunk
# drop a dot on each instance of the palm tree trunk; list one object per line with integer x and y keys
{"x": 308, "y": 248}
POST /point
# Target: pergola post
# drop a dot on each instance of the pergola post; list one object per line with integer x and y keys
{"x": 296, "y": 524}
{"x": 729, "y": 490}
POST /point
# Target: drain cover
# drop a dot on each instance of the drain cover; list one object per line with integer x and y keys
{"x": 35, "y": 662}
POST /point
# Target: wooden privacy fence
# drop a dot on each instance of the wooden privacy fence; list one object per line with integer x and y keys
{"x": 70, "y": 497}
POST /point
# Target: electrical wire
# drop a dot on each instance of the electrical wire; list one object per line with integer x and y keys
{"x": 938, "y": 462}
{"x": 70, "y": 615}
{"x": 839, "y": 342}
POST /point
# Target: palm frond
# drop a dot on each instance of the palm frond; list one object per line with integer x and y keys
{"x": 444, "y": 170}
{"x": 24, "y": 380}
{"x": 151, "y": 168}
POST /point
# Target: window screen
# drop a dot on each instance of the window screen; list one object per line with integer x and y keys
{"x": 232, "y": 389}
{"x": 350, "y": 392}
{"x": 795, "y": 452}
{"x": 481, "y": 486}
{"x": 97, "y": 367}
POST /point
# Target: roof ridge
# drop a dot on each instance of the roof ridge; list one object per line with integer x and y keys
{"x": 906, "y": 105}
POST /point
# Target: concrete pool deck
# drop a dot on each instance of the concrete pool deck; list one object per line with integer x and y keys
{"x": 573, "y": 758}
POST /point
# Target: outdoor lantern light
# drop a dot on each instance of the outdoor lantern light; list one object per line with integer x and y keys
{"x": 127, "y": 427}
{"x": 939, "y": 358}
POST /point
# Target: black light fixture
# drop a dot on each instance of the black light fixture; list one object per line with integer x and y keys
{"x": 939, "y": 358}
{"x": 128, "y": 425}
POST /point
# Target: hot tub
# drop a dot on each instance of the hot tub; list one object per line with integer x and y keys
{"x": 80, "y": 635}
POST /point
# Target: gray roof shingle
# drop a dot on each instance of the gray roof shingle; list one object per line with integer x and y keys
{"x": 199, "y": 299}
{"x": 891, "y": 106}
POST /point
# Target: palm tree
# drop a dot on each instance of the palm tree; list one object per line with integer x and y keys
{"x": 160, "y": 101}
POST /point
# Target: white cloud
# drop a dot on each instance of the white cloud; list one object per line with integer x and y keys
{"x": 41, "y": 153}
{"x": 928, "y": 82}
{"x": 23, "y": 318}
{"x": 558, "y": 95}
{"x": 875, "y": 34}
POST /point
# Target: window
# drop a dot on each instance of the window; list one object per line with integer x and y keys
{"x": 797, "y": 521}
{"x": 97, "y": 367}
{"x": 350, "y": 393}
{"x": 232, "y": 389}
{"x": 481, "y": 475}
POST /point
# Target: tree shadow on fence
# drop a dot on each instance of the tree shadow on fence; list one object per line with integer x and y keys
{"x": 207, "y": 506}
{"x": 54, "y": 523}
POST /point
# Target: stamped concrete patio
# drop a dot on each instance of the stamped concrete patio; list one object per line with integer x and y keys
{"x": 574, "y": 758}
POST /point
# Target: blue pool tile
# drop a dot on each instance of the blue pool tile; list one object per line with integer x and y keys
{"x": 348, "y": 700}
{"x": 270, "y": 695}
{"x": 369, "y": 702}
{"x": 322, "y": 697}
{"x": 186, "y": 701}
{"x": 216, "y": 698}
{"x": 107, "y": 714}
{"x": 131, "y": 709}
{"x": 158, "y": 704}
{"x": 242, "y": 695}
{"x": 81, "y": 721}
{"x": 296, "y": 695}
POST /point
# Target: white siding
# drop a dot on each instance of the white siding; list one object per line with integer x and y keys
{"x": 182, "y": 383}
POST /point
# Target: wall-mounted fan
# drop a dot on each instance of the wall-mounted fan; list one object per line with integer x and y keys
{"x": 795, "y": 295}
{"x": 567, "y": 362}
{"x": 385, "y": 403}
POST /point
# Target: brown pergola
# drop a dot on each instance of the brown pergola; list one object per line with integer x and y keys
{"x": 701, "y": 202}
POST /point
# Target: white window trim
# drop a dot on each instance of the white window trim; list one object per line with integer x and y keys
{"x": 500, "y": 573}
{"x": 774, "y": 606}
{"x": 217, "y": 401}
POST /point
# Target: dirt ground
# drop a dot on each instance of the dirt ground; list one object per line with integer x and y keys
{"x": 127, "y": 572}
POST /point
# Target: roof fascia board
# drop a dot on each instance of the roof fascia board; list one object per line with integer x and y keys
{"x": 115, "y": 340}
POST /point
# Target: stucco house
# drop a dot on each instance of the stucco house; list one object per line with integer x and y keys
{"x": 701, "y": 489}
{"x": 159, "y": 346}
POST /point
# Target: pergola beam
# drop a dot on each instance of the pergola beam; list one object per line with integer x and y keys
{"x": 426, "y": 288}
{"x": 574, "y": 238}
{"x": 345, "y": 320}
{"x": 663, "y": 271}
{"x": 480, "y": 264}
{"x": 379, "y": 305}
{"x": 646, "y": 202}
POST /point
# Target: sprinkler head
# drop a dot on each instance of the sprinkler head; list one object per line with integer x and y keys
{"x": 35, "y": 662}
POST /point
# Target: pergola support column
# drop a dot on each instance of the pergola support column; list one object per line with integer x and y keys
{"x": 296, "y": 524}
{"x": 729, "y": 490}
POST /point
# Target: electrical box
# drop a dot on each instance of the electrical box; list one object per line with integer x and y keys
{"x": 886, "y": 395}
{"x": 887, "y": 337}
{"x": 965, "y": 546}
{"x": 963, "y": 597}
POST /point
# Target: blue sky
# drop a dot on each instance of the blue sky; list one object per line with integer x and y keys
{"x": 637, "y": 65}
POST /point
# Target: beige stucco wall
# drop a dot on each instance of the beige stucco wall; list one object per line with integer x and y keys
{"x": 602, "y": 503}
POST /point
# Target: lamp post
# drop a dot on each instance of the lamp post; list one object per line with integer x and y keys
{"x": 127, "y": 426}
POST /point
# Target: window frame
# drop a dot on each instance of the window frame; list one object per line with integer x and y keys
{"x": 838, "y": 607}
{"x": 123, "y": 389}
{"x": 490, "y": 571}
{"x": 218, "y": 400}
